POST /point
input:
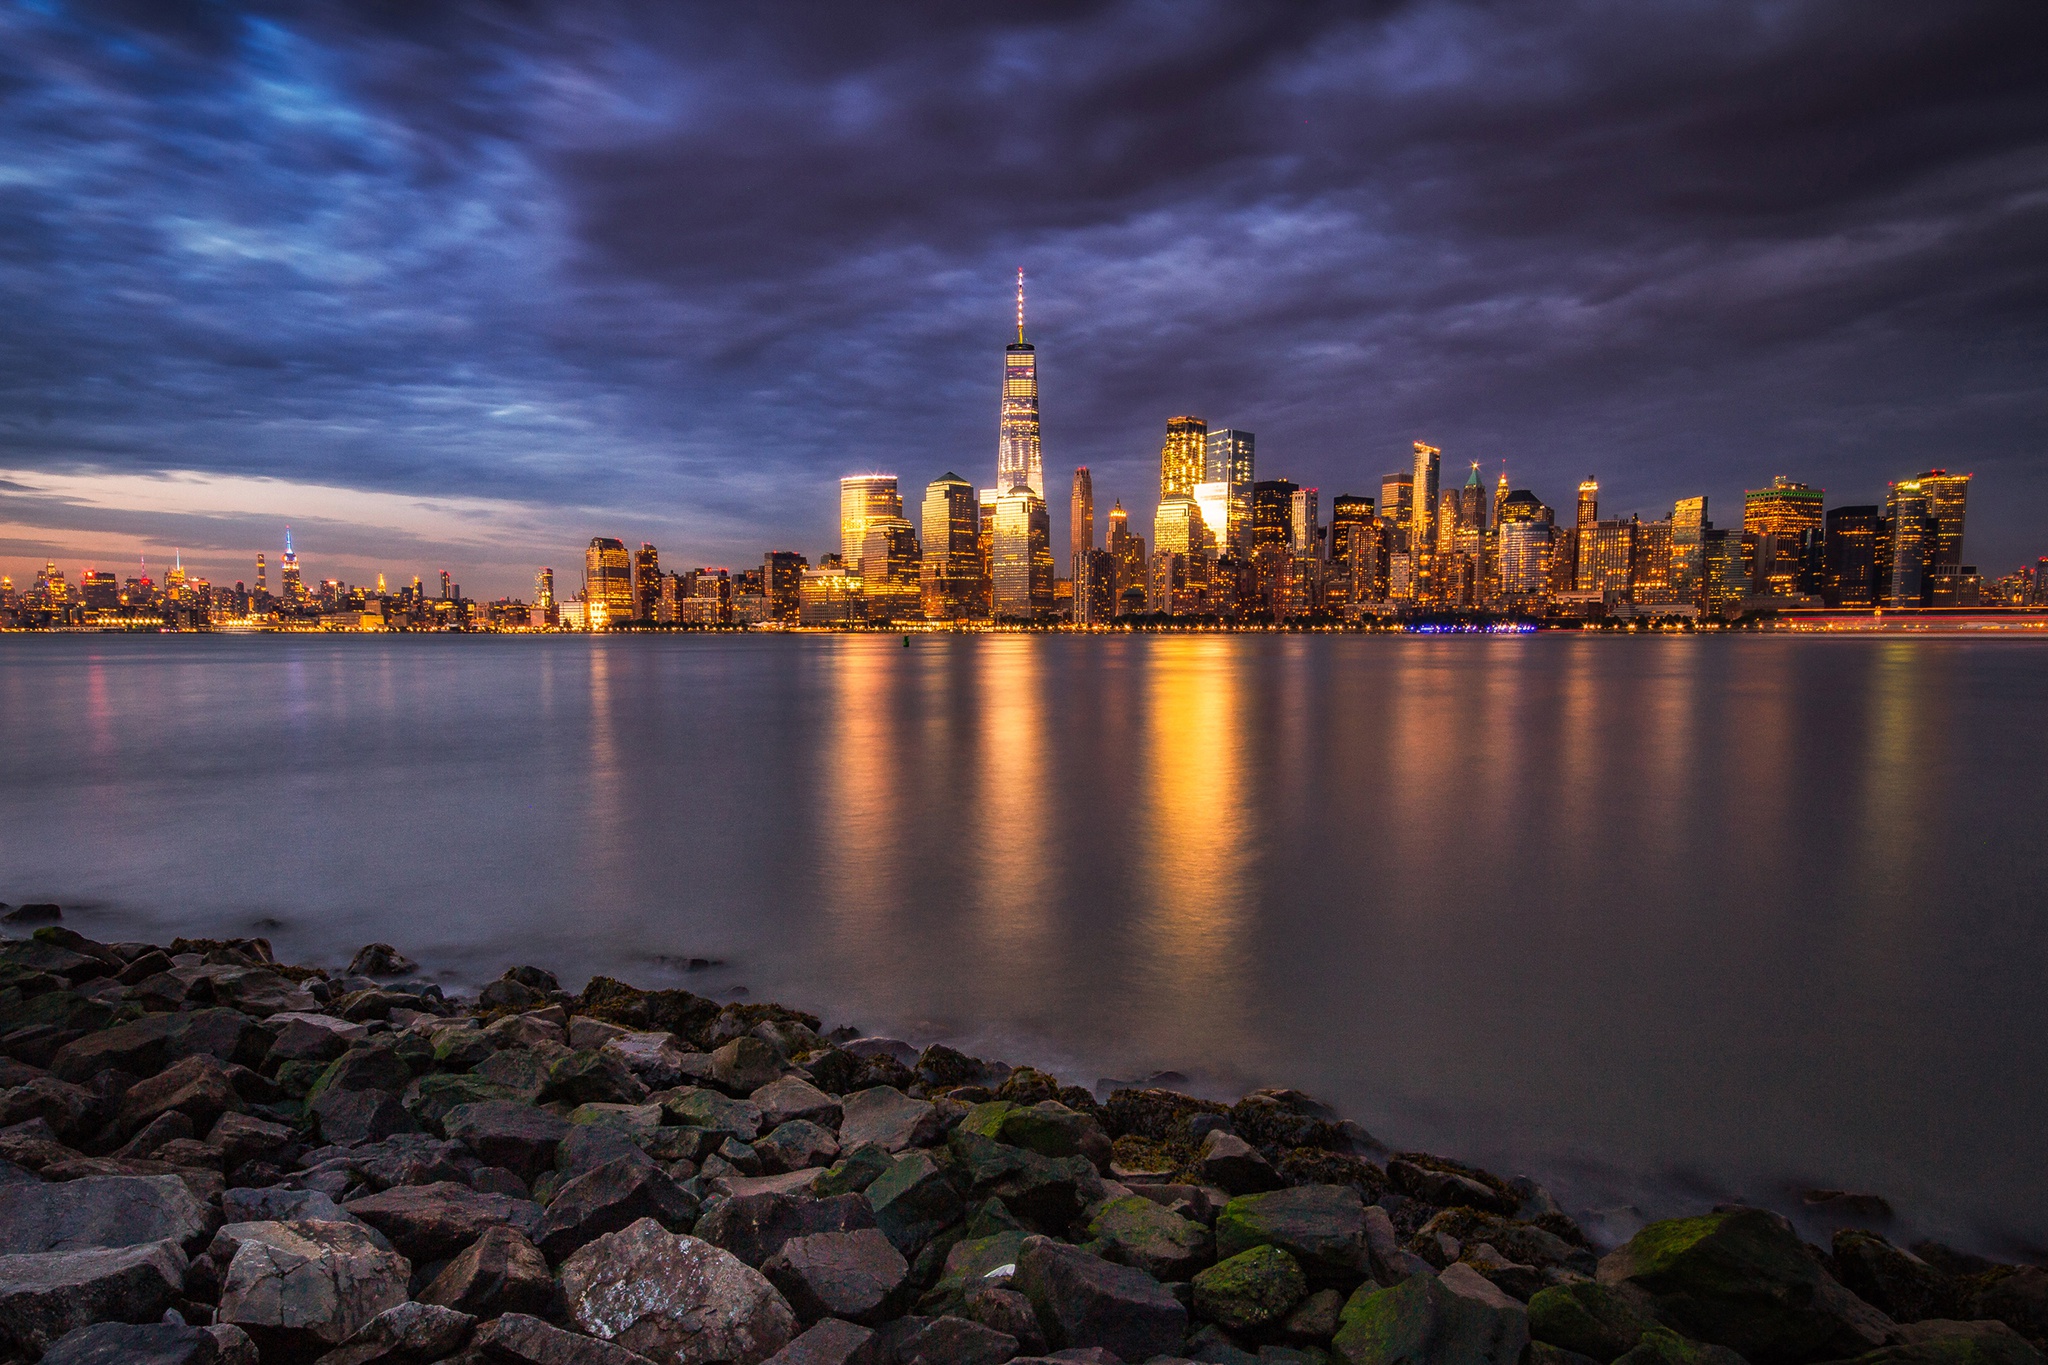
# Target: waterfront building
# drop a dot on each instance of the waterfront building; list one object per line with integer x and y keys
{"x": 862, "y": 496}
{"x": 1228, "y": 458}
{"x": 1851, "y": 540}
{"x": 1018, "y": 461}
{"x": 1304, "y": 522}
{"x": 951, "y": 583}
{"x": 1272, "y": 514}
{"x": 1607, "y": 559}
{"x": 1688, "y": 547}
{"x": 1177, "y": 529}
{"x": 100, "y": 591}
{"x": 1652, "y": 584}
{"x": 1095, "y": 588}
{"x": 782, "y": 583}
{"x": 1213, "y": 500}
{"x": 646, "y": 582}
{"x": 1081, "y": 521}
{"x": 1946, "y": 496}
{"x": 1525, "y": 559}
{"x": 1022, "y": 553}
{"x": 1782, "y": 524}
{"x": 830, "y": 596}
{"x": 1128, "y": 551}
{"x": 1722, "y": 581}
{"x": 1423, "y": 518}
{"x": 985, "y": 549}
{"x": 1182, "y": 456}
{"x": 1909, "y": 538}
{"x": 607, "y": 582}
{"x": 889, "y": 569}
{"x": 1354, "y": 547}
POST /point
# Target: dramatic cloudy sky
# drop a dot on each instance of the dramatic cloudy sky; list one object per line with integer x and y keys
{"x": 464, "y": 285}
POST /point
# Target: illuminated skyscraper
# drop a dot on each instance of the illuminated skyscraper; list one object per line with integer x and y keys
{"x": 1304, "y": 522}
{"x": 607, "y": 582}
{"x": 1213, "y": 499}
{"x": 1688, "y": 549}
{"x": 1022, "y": 551}
{"x": 985, "y": 549}
{"x": 782, "y": 582}
{"x": 1589, "y": 503}
{"x": 1607, "y": 558}
{"x": 862, "y": 496}
{"x": 1946, "y": 495}
{"x": 1422, "y": 517}
{"x": 1652, "y": 584}
{"x": 889, "y": 569}
{"x": 1354, "y": 545}
{"x": 1500, "y": 495}
{"x": 1397, "y": 510}
{"x": 1910, "y": 537}
{"x": 1273, "y": 514}
{"x": 1017, "y": 454}
{"x": 1228, "y": 458}
{"x": 951, "y": 571}
{"x": 1081, "y": 524}
{"x": 1129, "y": 553}
{"x": 1785, "y": 520}
{"x": 447, "y": 587}
{"x": 288, "y": 572}
{"x": 544, "y": 588}
{"x": 1183, "y": 456}
{"x": 1851, "y": 540}
{"x": 646, "y": 582}
{"x": 262, "y": 582}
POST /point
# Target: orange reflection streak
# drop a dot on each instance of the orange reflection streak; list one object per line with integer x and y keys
{"x": 1015, "y": 825}
{"x": 1895, "y": 797}
{"x": 605, "y": 839}
{"x": 1195, "y": 848}
{"x": 1666, "y": 740}
{"x": 1572, "y": 789}
{"x": 862, "y": 820}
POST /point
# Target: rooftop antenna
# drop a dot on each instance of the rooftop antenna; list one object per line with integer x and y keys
{"x": 1020, "y": 305}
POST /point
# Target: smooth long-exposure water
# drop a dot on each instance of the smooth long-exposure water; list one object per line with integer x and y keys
{"x": 1661, "y": 921}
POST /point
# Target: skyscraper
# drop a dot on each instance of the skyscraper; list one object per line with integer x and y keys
{"x": 262, "y": 583}
{"x": 646, "y": 582}
{"x": 1273, "y": 514}
{"x": 1397, "y": 508}
{"x": 1422, "y": 516}
{"x": 1017, "y": 454}
{"x": 1946, "y": 494}
{"x": 607, "y": 581}
{"x": 952, "y": 566}
{"x": 1081, "y": 523}
{"x": 1783, "y": 519}
{"x": 862, "y": 496}
{"x": 1909, "y": 539}
{"x": 782, "y": 582}
{"x": 889, "y": 569}
{"x": 544, "y": 588}
{"x": 1228, "y": 459}
{"x": 1128, "y": 594}
{"x": 1022, "y": 552}
{"x": 288, "y": 572}
{"x": 1305, "y": 521}
{"x": 1688, "y": 549}
{"x": 1589, "y": 503}
{"x": 1183, "y": 456}
{"x": 1851, "y": 541}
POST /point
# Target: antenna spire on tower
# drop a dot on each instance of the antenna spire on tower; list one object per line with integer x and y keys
{"x": 1020, "y": 304}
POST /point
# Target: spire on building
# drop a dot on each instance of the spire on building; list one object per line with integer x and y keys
{"x": 1020, "y": 304}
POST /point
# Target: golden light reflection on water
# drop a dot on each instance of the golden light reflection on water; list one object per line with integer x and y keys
{"x": 1668, "y": 739}
{"x": 861, "y": 817}
{"x": 1013, "y": 833}
{"x": 1195, "y": 851}
{"x": 1896, "y": 771}
{"x": 605, "y": 836}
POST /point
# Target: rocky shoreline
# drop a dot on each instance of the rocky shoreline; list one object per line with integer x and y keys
{"x": 210, "y": 1156}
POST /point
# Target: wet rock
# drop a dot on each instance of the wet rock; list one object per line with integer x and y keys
{"x": 2014, "y": 1295}
{"x": 1742, "y": 1279}
{"x": 243, "y": 1137}
{"x": 520, "y": 1339}
{"x": 381, "y": 959}
{"x": 853, "y": 1275}
{"x": 593, "y": 1076}
{"x": 1890, "y": 1278}
{"x": 913, "y": 1201}
{"x": 657, "y": 1059}
{"x": 1317, "y": 1166}
{"x": 1946, "y": 1342}
{"x": 1447, "y": 1188}
{"x": 855, "y": 1170}
{"x": 1232, "y": 1164}
{"x": 674, "y": 1297}
{"x": 1321, "y": 1226}
{"x": 754, "y": 1227}
{"x": 1049, "y": 1191}
{"x": 198, "y": 1086}
{"x": 745, "y": 1065}
{"x": 102, "y": 1211}
{"x": 1521, "y": 1243}
{"x": 68, "y": 1109}
{"x": 291, "y": 1286}
{"x": 1159, "y": 1115}
{"x": 353, "y": 1116}
{"x": 889, "y": 1119}
{"x": 1423, "y": 1321}
{"x": 1251, "y": 1290}
{"x": 272, "y": 1205}
{"x": 792, "y": 1098}
{"x": 500, "y": 1272}
{"x": 47, "y": 1295}
{"x": 407, "y": 1333}
{"x": 1601, "y": 1321}
{"x": 120, "y": 1343}
{"x": 613, "y": 1196}
{"x": 830, "y": 1342}
{"x": 712, "y": 1112}
{"x": 953, "y": 1341}
{"x": 1138, "y": 1232}
{"x": 429, "y": 1222}
{"x": 1083, "y": 1300}
{"x": 1050, "y": 1128}
{"x": 796, "y": 1145}
{"x": 518, "y": 1137}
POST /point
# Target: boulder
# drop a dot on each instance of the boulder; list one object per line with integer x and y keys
{"x": 693, "y": 1107}
{"x": 293, "y": 1285}
{"x": 830, "y": 1342}
{"x": 1050, "y": 1128}
{"x": 796, "y": 1145}
{"x": 102, "y": 1211}
{"x": 2014, "y": 1295}
{"x": 1233, "y": 1165}
{"x": 745, "y": 1065}
{"x": 913, "y": 1201}
{"x": 754, "y": 1227}
{"x": 1136, "y": 1231}
{"x": 381, "y": 959}
{"x": 952, "y": 1341}
{"x": 1600, "y": 1321}
{"x": 1889, "y": 1278}
{"x": 1940, "y": 1341}
{"x": 1662, "y": 1346}
{"x": 656, "y": 1058}
{"x": 404, "y": 1334}
{"x": 591, "y": 1145}
{"x": 67, "y": 1109}
{"x": 310, "y": 1038}
{"x": 610, "y": 1197}
{"x": 46, "y": 1295}
{"x": 521, "y": 1339}
{"x": 1448, "y": 1189}
{"x": 431, "y": 1098}
{"x": 122, "y": 1343}
{"x": 1083, "y": 1300}
{"x": 968, "y": 1265}
{"x": 518, "y": 1137}
{"x": 1252, "y": 1290}
{"x": 1048, "y": 1191}
{"x": 593, "y": 1076}
{"x": 792, "y": 1098}
{"x": 429, "y": 1222}
{"x": 855, "y": 1170}
{"x": 145, "y": 1046}
{"x": 352, "y": 1116}
{"x": 888, "y": 1118}
{"x": 674, "y": 1298}
{"x": 244, "y": 1137}
{"x": 1742, "y": 1279}
{"x": 1321, "y": 1226}
{"x": 500, "y": 1272}
{"x": 271, "y": 1204}
{"x": 198, "y": 1086}
{"x": 413, "y": 1159}
{"x": 1423, "y": 1321}
{"x": 373, "y": 1065}
{"x": 853, "y": 1275}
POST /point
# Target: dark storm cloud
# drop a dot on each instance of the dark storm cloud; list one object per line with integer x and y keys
{"x": 698, "y": 261}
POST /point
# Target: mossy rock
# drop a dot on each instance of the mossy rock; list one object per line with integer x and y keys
{"x": 1956, "y": 1343}
{"x": 1251, "y": 1290}
{"x": 1161, "y": 1115}
{"x": 1421, "y": 1322}
{"x": 854, "y": 1171}
{"x": 1662, "y": 1346}
{"x": 1592, "y": 1319}
{"x": 431, "y": 1097}
{"x": 297, "y": 1079}
{"x": 1135, "y": 1153}
{"x": 987, "y": 1118}
{"x": 1315, "y": 1166}
{"x": 1321, "y": 1226}
{"x": 1135, "y": 1231}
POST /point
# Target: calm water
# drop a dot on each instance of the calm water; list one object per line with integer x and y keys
{"x": 1660, "y": 921}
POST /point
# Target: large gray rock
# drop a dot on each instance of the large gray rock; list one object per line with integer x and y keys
{"x": 122, "y": 1343}
{"x": 888, "y": 1118}
{"x": 744, "y": 1065}
{"x": 1321, "y": 1226}
{"x": 1136, "y": 1231}
{"x": 797, "y": 1145}
{"x": 851, "y": 1275}
{"x": 754, "y": 1227}
{"x": 428, "y": 1222}
{"x": 953, "y": 1341}
{"x": 1233, "y": 1165}
{"x": 518, "y": 1137}
{"x": 272, "y": 1204}
{"x": 520, "y": 1339}
{"x": 44, "y": 1296}
{"x": 793, "y": 1098}
{"x": 1423, "y": 1321}
{"x": 102, "y": 1211}
{"x": 1742, "y": 1279}
{"x": 353, "y": 1116}
{"x": 404, "y": 1334}
{"x": 500, "y": 1272}
{"x": 1083, "y": 1300}
{"x": 830, "y": 1342}
{"x": 914, "y": 1201}
{"x": 149, "y": 1044}
{"x": 656, "y": 1058}
{"x": 674, "y": 1298}
{"x": 291, "y": 1285}
{"x": 613, "y": 1196}
{"x": 717, "y": 1115}
{"x": 199, "y": 1087}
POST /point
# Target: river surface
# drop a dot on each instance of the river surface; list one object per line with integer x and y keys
{"x": 1660, "y": 921}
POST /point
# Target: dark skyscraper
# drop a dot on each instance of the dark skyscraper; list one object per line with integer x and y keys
{"x": 1017, "y": 454}
{"x": 646, "y": 582}
{"x": 1081, "y": 527}
{"x": 782, "y": 581}
{"x": 1851, "y": 541}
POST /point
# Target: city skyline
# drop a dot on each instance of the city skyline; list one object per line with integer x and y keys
{"x": 673, "y": 273}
